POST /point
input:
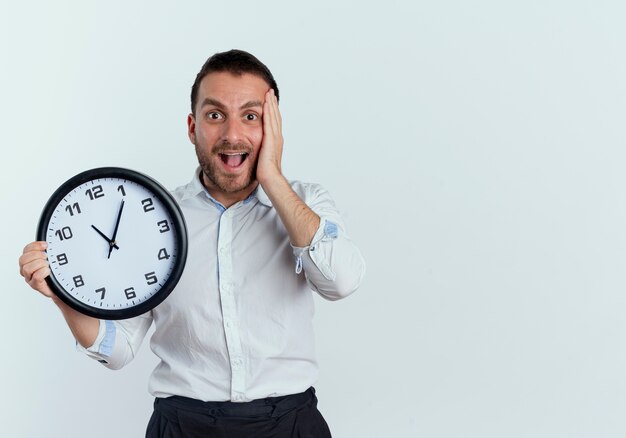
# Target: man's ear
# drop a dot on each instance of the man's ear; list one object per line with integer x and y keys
{"x": 191, "y": 128}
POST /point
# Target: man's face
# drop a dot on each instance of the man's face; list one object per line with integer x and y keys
{"x": 227, "y": 130}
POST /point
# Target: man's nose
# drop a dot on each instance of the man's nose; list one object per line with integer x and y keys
{"x": 232, "y": 132}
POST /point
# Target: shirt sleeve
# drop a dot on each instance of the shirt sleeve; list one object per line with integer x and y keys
{"x": 118, "y": 341}
{"x": 332, "y": 264}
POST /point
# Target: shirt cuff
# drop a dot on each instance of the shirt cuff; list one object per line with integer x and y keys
{"x": 326, "y": 232}
{"x": 103, "y": 345}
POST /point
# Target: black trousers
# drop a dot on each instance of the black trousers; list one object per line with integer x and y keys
{"x": 291, "y": 416}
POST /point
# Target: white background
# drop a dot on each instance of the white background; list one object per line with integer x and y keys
{"x": 476, "y": 149}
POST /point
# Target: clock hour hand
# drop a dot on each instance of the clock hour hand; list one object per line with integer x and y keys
{"x": 117, "y": 224}
{"x": 113, "y": 244}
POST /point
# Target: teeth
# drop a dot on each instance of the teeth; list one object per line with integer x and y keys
{"x": 236, "y": 153}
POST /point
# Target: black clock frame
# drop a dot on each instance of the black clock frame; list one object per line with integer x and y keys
{"x": 178, "y": 223}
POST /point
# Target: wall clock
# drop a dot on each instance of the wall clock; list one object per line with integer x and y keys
{"x": 117, "y": 242}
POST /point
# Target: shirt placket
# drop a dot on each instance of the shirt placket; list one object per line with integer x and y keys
{"x": 229, "y": 309}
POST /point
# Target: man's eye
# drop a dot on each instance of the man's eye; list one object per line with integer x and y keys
{"x": 251, "y": 117}
{"x": 214, "y": 115}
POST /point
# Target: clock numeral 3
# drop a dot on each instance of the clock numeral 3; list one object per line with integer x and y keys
{"x": 95, "y": 192}
{"x": 163, "y": 255}
{"x": 78, "y": 281}
{"x": 62, "y": 259}
{"x": 163, "y": 226}
{"x": 148, "y": 205}
{"x": 130, "y": 293}
{"x": 151, "y": 278}
{"x": 102, "y": 291}
{"x": 64, "y": 233}
{"x": 74, "y": 207}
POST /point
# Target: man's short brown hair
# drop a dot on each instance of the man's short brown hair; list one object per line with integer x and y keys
{"x": 236, "y": 62}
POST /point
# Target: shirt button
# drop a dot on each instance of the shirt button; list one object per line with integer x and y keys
{"x": 238, "y": 397}
{"x": 223, "y": 250}
{"x": 229, "y": 324}
{"x": 237, "y": 362}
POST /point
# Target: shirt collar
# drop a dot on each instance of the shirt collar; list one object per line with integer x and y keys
{"x": 262, "y": 196}
{"x": 195, "y": 187}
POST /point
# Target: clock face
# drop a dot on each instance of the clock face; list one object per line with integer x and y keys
{"x": 117, "y": 243}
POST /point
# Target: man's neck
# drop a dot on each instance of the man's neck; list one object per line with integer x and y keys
{"x": 227, "y": 199}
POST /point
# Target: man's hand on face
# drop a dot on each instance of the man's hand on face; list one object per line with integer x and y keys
{"x": 270, "y": 155}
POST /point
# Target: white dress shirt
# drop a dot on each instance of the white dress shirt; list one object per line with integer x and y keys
{"x": 238, "y": 326}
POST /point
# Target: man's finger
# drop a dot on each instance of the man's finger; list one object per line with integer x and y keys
{"x": 29, "y": 269}
{"x": 35, "y": 246}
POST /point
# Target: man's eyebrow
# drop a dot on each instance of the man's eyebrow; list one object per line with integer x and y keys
{"x": 251, "y": 104}
{"x": 209, "y": 101}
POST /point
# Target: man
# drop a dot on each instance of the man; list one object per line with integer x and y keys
{"x": 235, "y": 337}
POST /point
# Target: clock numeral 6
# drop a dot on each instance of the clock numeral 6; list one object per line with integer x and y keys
{"x": 78, "y": 281}
{"x": 130, "y": 293}
{"x": 163, "y": 255}
{"x": 62, "y": 259}
{"x": 64, "y": 233}
{"x": 148, "y": 205}
{"x": 95, "y": 192}
{"x": 102, "y": 291}
{"x": 151, "y": 278}
{"x": 163, "y": 226}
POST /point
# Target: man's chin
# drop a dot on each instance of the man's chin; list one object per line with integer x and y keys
{"x": 234, "y": 187}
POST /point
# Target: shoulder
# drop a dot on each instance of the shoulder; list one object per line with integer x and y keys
{"x": 179, "y": 191}
{"x": 186, "y": 191}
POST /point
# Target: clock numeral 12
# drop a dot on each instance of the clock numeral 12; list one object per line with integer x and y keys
{"x": 102, "y": 290}
{"x": 94, "y": 193}
{"x": 151, "y": 278}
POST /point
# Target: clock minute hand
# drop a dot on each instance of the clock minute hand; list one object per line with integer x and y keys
{"x": 105, "y": 237}
{"x": 117, "y": 224}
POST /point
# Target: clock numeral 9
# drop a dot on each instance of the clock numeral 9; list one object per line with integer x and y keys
{"x": 148, "y": 205}
{"x": 94, "y": 193}
{"x": 163, "y": 255}
{"x": 130, "y": 293}
{"x": 78, "y": 281}
{"x": 62, "y": 259}
{"x": 70, "y": 208}
{"x": 102, "y": 291}
{"x": 151, "y": 278}
{"x": 64, "y": 233}
{"x": 163, "y": 226}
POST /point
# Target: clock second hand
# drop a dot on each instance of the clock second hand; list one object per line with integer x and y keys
{"x": 111, "y": 243}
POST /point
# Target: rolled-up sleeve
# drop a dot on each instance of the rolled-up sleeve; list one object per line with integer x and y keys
{"x": 332, "y": 264}
{"x": 117, "y": 342}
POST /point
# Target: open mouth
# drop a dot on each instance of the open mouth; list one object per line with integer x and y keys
{"x": 233, "y": 159}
